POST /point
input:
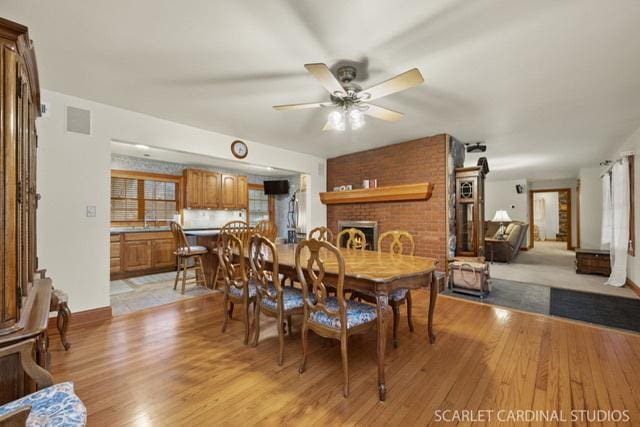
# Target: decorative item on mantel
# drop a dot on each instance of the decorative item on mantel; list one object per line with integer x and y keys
{"x": 395, "y": 193}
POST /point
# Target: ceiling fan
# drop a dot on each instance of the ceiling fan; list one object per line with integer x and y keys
{"x": 350, "y": 101}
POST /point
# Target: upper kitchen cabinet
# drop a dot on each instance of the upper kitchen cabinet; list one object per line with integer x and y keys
{"x": 193, "y": 183}
{"x": 210, "y": 190}
{"x": 229, "y": 192}
{"x": 242, "y": 197}
{"x": 213, "y": 190}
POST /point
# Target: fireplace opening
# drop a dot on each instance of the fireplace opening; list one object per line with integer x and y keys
{"x": 369, "y": 228}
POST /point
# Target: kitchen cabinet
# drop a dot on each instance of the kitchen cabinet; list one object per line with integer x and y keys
{"x": 137, "y": 255}
{"x": 193, "y": 188}
{"x": 229, "y": 192}
{"x": 140, "y": 253}
{"x": 162, "y": 253}
{"x": 213, "y": 190}
{"x": 115, "y": 253}
{"x": 242, "y": 197}
{"x": 210, "y": 190}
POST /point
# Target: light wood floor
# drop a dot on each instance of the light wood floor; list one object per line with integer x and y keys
{"x": 171, "y": 365}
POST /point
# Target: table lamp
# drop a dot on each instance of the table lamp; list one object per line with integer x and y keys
{"x": 501, "y": 216}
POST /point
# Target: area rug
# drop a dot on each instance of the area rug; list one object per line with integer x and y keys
{"x": 507, "y": 293}
{"x": 607, "y": 310}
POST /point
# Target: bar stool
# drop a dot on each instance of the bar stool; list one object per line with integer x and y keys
{"x": 185, "y": 253}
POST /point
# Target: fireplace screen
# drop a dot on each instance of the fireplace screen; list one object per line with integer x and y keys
{"x": 369, "y": 228}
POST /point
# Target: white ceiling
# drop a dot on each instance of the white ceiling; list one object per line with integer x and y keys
{"x": 549, "y": 85}
{"x": 193, "y": 160}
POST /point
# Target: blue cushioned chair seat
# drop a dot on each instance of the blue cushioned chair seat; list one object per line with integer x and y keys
{"x": 398, "y": 294}
{"x": 52, "y": 406}
{"x": 237, "y": 292}
{"x": 357, "y": 314}
{"x": 291, "y": 298}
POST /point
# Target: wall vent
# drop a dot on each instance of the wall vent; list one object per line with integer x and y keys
{"x": 78, "y": 120}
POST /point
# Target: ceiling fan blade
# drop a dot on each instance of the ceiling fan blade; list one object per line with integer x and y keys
{"x": 403, "y": 81}
{"x": 383, "y": 113}
{"x": 301, "y": 106}
{"x": 326, "y": 78}
{"x": 327, "y": 126}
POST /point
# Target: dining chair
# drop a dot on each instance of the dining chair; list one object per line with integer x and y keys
{"x": 355, "y": 239}
{"x": 322, "y": 233}
{"x": 399, "y": 243}
{"x": 330, "y": 317}
{"x": 241, "y": 230}
{"x": 272, "y": 297}
{"x": 266, "y": 228}
{"x": 237, "y": 287}
{"x": 185, "y": 254}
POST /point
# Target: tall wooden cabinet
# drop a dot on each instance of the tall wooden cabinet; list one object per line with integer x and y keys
{"x": 19, "y": 107}
{"x": 24, "y": 296}
{"x": 470, "y": 211}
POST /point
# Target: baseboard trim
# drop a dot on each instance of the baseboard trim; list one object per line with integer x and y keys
{"x": 81, "y": 318}
{"x": 635, "y": 288}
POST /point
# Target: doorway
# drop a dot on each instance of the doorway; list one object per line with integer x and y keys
{"x": 551, "y": 217}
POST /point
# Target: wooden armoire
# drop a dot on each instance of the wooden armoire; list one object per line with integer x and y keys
{"x": 24, "y": 296}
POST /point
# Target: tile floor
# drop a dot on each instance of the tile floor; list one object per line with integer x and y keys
{"x": 137, "y": 293}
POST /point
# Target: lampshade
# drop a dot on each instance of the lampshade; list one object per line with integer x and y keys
{"x": 501, "y": 216}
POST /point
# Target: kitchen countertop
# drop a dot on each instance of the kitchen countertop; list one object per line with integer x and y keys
{"x": 203, "y": 233}
{"x": 119, "y": 230}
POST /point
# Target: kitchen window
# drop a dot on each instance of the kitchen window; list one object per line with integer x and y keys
{"x": 261, "y": 206}
{"x": 140, "y": 197}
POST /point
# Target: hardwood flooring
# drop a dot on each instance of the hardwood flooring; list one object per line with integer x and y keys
{"x": 171, "y": 365}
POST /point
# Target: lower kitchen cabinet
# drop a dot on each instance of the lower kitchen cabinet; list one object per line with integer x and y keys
{"x": 140, "y": 253}
{"x": 137, "y": 255}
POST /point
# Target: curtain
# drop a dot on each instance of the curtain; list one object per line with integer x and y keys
{"x": 607, "y": 211}
{"x": 620, "y": 223}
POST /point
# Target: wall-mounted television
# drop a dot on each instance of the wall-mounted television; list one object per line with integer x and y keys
{"x": 276, "y": 187}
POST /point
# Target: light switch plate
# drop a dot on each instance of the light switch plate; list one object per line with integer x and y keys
{"x": 91, "y": 211}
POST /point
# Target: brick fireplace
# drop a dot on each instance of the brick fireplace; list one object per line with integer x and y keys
{"x": 420, "y": 160}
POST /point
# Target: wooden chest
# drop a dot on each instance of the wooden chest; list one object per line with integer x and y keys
{"x": 593, "y": 261}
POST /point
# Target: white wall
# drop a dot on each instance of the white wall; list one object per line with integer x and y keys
{"x": 73, "y": 172}
{"x": 503, "y": 195}
{"x": 563, "y": 183}
{"x": 546, "y": 214}
{"x": 590, "y": 207}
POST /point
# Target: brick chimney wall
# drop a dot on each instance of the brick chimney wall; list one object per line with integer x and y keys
{"x": 421, "y": 160}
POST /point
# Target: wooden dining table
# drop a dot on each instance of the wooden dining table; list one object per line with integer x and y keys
{"x": 376, "y": 274}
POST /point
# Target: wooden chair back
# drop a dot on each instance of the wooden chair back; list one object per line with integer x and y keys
{"x": 314, "y": 271}
{"x": 355, "y": 239}
{"x": 261, "y": 250}
{"x": 180, "y": 239}
{"x": 240, "y": 229}
{"x": 397, "y": 243}
{"x": 234, "y": 274}
{"x": 267, "y": 229}
{"x": 321, "y": 233}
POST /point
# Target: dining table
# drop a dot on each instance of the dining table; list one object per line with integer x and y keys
{"x": 376, "y": 274}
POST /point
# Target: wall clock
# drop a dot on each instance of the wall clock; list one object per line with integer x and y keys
{"x": 239, "y": 149}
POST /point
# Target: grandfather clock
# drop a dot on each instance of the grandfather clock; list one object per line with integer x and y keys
{"x": 470, "y": 211}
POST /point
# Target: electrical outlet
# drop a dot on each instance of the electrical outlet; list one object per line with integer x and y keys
{"x": 91, "y": 211}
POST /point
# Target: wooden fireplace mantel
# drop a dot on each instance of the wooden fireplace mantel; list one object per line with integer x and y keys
{"x": 395, "y": 193}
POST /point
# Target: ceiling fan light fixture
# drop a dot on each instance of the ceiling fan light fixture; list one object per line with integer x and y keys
{"x": 356, "y": 119}
{"x": 336, "y": 120}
